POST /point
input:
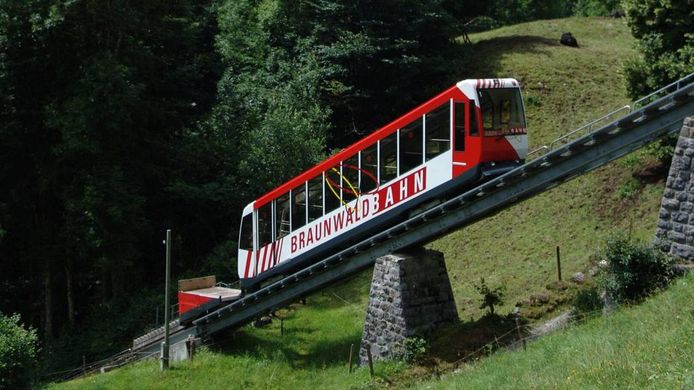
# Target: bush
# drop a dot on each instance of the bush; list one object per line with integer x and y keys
{"x": 635, "y": 270}
{"x": 490, "y": 297}
{"x": 415, "y": 348}
{"x": 18, "y": 349}
{"x": 587, "y": 302}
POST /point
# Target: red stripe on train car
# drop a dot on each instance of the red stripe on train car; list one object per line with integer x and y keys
{"x": 248, "y": 264}
{"x": 262, "y": 264}
{"x": 451, "y": 93}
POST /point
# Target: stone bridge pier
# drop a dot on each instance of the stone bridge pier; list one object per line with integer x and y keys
{"x": 410, "y": 296}
{"x": 675, "y": 231}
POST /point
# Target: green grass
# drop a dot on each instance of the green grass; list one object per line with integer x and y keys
{"x": 639, "y": 347}
{"x": 563, "y": 88}
{"x": 312, "y": 353}
{"x": 567, "y": 87}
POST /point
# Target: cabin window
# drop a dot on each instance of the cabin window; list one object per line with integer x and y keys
{"x": 265, "y": 225}
{"x": 502, "y": 111}
{"x": 298, "y": 207}
{"x": 315, "y": 198}
{"x": 282, "y": 226}
{"x": 474, "y": 125}
{"x": 437, "y": 126}
{"x": 246, "y": 235}
{"x": 459, "y": 126}
{"x": 411, "y": 146}
{"x": 333, "y": 182}
{"x": 350, "y": 178}
{"x": 388, "y": 153}
{"x": 369, "y": 169}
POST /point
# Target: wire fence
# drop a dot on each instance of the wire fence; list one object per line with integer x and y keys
{"x": 609, "y": 118}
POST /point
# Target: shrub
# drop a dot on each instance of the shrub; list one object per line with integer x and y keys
{"x": 629, "y": 188}
{"x": 587, "y": 302}
{"x": 490, "y": 297}
{"x": 663, "y": 149}
{"x": 635, "y": 270}
{"x": 415, "y": 348}
{"x": 18, "y": 349}
{"x": 595, "y": 7}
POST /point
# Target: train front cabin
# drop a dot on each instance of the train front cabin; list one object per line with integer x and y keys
{"x": 471, "y": 131}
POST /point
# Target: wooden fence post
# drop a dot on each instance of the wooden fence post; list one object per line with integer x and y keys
{"x": 370, "y": 359}
{"x": 351, "y": 351}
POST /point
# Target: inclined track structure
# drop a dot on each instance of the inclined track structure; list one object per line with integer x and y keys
{"x": 573, "y": 154}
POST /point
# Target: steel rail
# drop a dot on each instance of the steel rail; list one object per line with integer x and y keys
{"x": 591, "y": 150}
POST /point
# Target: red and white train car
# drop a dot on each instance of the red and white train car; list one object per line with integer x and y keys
{"x": 471, "y": 131}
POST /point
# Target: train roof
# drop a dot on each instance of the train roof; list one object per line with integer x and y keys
{"x": 467, "y": 87}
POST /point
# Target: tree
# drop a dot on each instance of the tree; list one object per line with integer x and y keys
{"x": 18, "y": 351}
{"x": 490, "y": 296}
{"x": 96, "y": 99}
{"x": 665, "y": 42}
{"x": 381, "y": 59}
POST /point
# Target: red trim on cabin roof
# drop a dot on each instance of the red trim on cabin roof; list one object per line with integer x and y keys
{"x": 451, "y": 93}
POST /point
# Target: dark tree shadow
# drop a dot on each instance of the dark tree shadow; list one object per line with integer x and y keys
{"x": 483, "y": 59}
{"x": 334, "y": 352}
{"x": 470, "y": 340}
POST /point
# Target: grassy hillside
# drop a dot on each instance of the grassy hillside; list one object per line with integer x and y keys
{"x": 563, "y": 87}
{"x": 650, "y": 346}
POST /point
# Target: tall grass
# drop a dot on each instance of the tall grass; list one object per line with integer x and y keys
{"x": 639, "y": 347}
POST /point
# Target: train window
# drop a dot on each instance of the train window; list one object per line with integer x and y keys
{"x": 474, "y": 125}
{"x": 437, "y": 126}
{"x": 486, "y": 105}
{"x": 350, "y": 178}
{"x": 282, "y": 226}
{"x": 315, "y": 198}
{"x": 459, "y": 126}
{"x": 505, "y": 113}
{"x": 502, "y": 110}
{"x": 333, "y": 195}
{"x": 298, "y": 207}
{"x": 265, "y": 225}
{"x": 246, "y": 236}
{"x": 369, "y": 169}
{"x": 388, "y": 153}
{"x": 411, "y": 146}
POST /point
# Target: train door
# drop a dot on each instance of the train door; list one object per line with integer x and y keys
{"x": 246, "y": 244}
{"x": 465, "y": 132}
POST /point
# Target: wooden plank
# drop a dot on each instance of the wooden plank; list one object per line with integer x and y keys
{"x": 196, "y": 283}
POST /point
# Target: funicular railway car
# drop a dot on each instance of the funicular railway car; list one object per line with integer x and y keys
{"x": 471, "y": 131}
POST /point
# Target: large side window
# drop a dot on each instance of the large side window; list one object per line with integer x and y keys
{"x": 437, "y": 127}
{"x": 459, "y": 126}
{"x": 265, "y": 225}
{"x": 282, "y": 226}
{"x": 333, "y": 195}
{"x": 350, "y": 178}
{"x": 388, "y": 158}
{"x": 246, "y": 236}
{"x": 411, "y": 146}
{"x": 369, "y": 169}
{"x": 299, "y": 207}
{"x": 474, "y": 124}
{"x": 315, "y": 198}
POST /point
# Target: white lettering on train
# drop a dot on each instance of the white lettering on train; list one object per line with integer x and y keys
{"x": 366, "y": 207}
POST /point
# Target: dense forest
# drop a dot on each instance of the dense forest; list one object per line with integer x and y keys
{"x": 122, "y": 119}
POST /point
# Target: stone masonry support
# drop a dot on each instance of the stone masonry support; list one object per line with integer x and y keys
{"x": 675, "y": 231}
{"x": 410, "y": 296}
